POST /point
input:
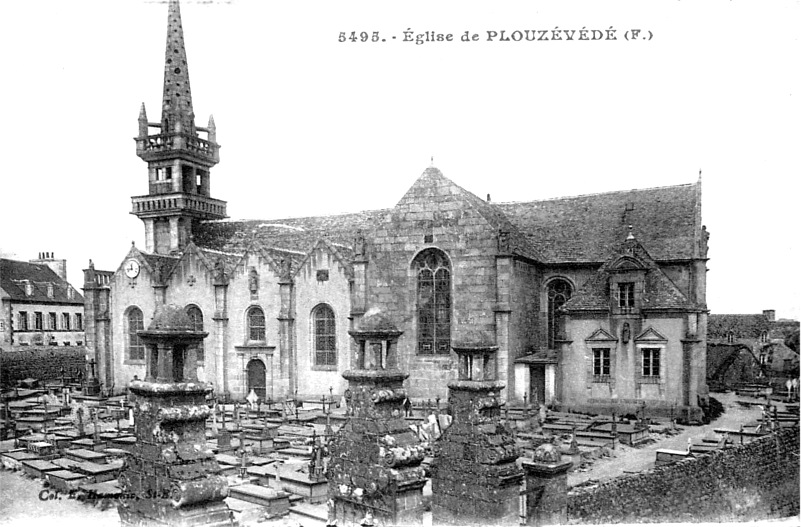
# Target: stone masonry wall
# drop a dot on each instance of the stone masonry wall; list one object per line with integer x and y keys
{"x": 524, "y": 320}
{"x": 434, "y": 209}
{"x": 41, "y": 363}
{"x": 757, "y": 480}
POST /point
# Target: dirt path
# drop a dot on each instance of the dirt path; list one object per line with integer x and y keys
{"x": 628, "y": 459}
{"x": 23, "y": 501}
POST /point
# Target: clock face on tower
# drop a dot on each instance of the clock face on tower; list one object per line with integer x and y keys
{"x": 131, "y": 268}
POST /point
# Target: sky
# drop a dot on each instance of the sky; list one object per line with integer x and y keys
{"x": 310, "y": 125}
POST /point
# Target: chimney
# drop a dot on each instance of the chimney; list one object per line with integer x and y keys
{"x": 58, "y": 266}
{"x": 770, "y": 314}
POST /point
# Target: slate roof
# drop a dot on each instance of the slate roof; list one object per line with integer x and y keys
{"x": 13, "y": 274}
{"x": 584, "y": 228}
{"x": 579, "y": 229}
{"x": 740, "y": 326}
{"x": 291, "y": 234}
{"x": 539, "y": 357}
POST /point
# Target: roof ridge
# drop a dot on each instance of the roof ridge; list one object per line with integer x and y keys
{"x": 275, "y": 221}
{"x": 593, "y": 194}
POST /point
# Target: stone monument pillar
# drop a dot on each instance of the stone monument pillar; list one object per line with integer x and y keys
{"x": 474, "y": 476}
{"x": 170, "y": 477}
{"x": 546, "y": 486}
{"x": 374, "y": 473}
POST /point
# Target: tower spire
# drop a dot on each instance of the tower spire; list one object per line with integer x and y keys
{"x": 177, "y": 114}
{"x": 179, "y": 160}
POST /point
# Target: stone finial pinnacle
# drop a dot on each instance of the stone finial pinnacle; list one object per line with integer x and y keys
{"x": 142, "y": 113}
{"x": 631, "y": 233}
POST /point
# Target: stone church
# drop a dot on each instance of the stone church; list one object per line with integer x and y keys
{"x": 595, "y": 302}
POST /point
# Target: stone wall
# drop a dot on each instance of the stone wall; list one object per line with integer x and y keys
{"x": 43, "y": 363}
{"x": 757, "y": 480}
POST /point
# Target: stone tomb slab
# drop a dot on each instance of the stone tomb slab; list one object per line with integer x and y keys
{"x": 89, "y": 444}
{"x": 30, "y": 439}
{"x": 44, "y": 449}
{"x": 315, "y": 491}
{"x": 65, "y": 463}
{"x": 66, "y": 480}
{"x": 260, "y": 472}
{"x": 125, "y": 443}
{"x": 257, "y": 461}
{"x": 115, "y": 453}
{"x": 82, "y": 454}
{"x": 38, "y": 467}
{"x": 309, "y": 515}
{"x": 665, "y": 456}
{"x": 301, "y": 453}
{"x": 13, "y": 460}
{"x": 102, "y": 490}
{"x": 99, "y": 472}
{"x": 245, "y": 512}
{"x": 274, "y": 502}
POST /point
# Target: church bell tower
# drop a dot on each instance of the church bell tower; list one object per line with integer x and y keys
{"x": 178, "y": 159}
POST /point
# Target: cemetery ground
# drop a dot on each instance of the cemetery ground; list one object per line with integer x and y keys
{"x": 24, "y": 501}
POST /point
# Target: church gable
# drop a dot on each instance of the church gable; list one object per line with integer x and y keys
{"x": 436, "y": 202}
{"x": 322, "y": 260}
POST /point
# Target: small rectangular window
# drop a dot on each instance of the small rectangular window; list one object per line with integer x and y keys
{"x": 65, "y": 321}
{"x": 38, "y": 321}
{"x": 78, "y": 321}
{"x": 650, "y": 362}
{"x": 626, "y": 295}
{"x": 23, "y": 321}
{"x": 600, "y": 362}
{"x": 52, "y": 321}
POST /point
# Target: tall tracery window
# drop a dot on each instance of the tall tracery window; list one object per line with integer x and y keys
{"x": 135, "y": 322}
{"x": 257, "y": 329}
{"x": 196, "y": 316}
{"x": 433, "y": 302}
{"x": 559, "y": 292}
{"x": 325, "y": 338}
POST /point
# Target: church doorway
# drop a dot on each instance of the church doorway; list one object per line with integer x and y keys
{"x": 537, "y": 383}
{"x": 257, "y": 378}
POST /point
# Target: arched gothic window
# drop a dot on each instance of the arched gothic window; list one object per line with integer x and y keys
{"x": 196, "y": 316}
{"x": 257, "y": 329}
{"x": 135, "y": 348}
{"x": 559, "y": 292}
{"x": 325, "y": 337}
{"x": 433, "y": 302}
